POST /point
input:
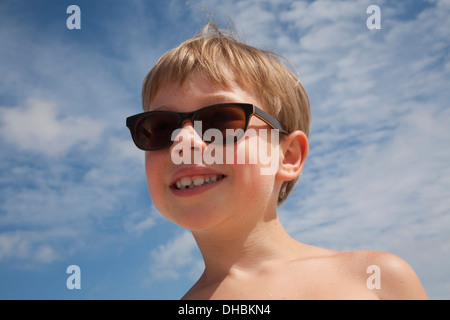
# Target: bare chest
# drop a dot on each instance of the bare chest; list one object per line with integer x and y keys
{"x": 288, "y": 284}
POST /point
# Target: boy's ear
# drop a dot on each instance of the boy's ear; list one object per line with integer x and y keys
{"x": 293, "y": 151}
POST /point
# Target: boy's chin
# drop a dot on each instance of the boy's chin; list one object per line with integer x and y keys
{"x": 195, "y": 221}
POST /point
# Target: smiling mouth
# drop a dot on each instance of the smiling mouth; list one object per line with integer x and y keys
{"x": 196, "y": 181}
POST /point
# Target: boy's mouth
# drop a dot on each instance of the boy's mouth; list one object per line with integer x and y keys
{"x": 196, "y": 181}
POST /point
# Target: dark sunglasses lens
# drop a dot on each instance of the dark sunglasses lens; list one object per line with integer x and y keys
{"x": 223, "y": 118}
{"x": 155, "y": 131}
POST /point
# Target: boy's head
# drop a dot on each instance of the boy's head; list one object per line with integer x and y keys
{"x": 225, "y": 61}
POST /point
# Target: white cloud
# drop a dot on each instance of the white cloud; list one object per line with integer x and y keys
{"x": 126, "y": 151}
{"x": 13, "y": 244}
{"x": 37, "y": 126}
{"x": 26, "y": 246}
{"x": 139, "y": 222}
{"x": 176, "y": 258}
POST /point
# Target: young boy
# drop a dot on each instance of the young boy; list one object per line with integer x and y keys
{"x": 215, "y": 86}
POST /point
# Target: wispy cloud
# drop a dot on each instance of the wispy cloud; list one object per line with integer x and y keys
{"x": 26, "y": 246}
{"x": 176, "y": 258}
{"x": 68, "y": 164}
{"x": 37, "y": 127}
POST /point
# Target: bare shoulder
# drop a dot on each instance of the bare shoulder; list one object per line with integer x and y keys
{"x": 392, "y": 277}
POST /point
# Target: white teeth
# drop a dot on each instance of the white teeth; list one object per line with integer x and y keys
{"x": 185, "y": 182}
{"x": 197, "y": 181}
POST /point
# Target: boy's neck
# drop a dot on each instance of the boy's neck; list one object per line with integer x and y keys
{"x": 239, "y": 252}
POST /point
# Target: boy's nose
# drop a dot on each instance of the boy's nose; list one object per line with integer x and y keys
{"x": 187, "y": 139}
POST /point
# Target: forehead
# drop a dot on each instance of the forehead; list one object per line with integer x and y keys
{"x": 197, "y": 91}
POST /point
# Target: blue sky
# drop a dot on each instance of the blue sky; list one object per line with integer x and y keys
{"x": 72, "y": 184}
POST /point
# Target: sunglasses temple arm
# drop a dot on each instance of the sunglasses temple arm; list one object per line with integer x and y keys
{"x": 271, "y": 121}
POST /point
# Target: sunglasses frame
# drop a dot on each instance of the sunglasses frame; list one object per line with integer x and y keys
{"x": 249, "y": 111}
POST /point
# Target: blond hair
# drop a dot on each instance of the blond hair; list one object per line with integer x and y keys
{"x": 216, "y": 53}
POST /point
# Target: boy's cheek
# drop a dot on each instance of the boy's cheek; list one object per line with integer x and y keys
{"x": 148, "y": 164}
{"x": 154, "y": 174}
{"x": 261, "y": 151}
{"x": 154, "y": 161}
{"x": 246, "y": 150}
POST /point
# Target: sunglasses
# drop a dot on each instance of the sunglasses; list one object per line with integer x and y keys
{"x": 153, "y": 130}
